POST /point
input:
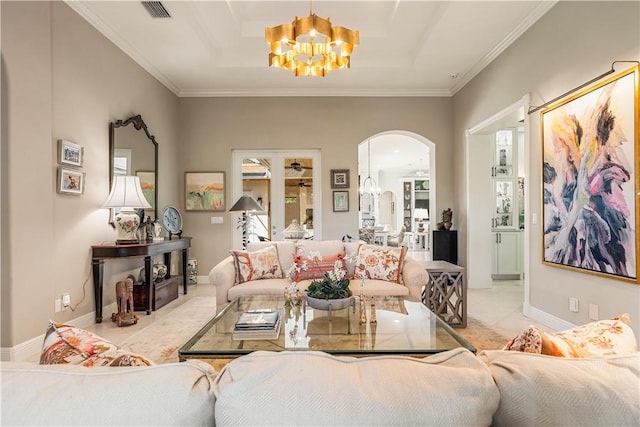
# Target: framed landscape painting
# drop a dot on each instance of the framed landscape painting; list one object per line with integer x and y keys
{"x": 204, "y": 191}
{"x": 590, "y": 182}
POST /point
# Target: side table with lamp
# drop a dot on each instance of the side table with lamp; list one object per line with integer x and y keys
{"x": 126, "y": 194}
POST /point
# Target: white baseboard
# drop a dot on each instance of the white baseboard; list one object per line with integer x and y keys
{"x": 27, "y": 350}
{"x": 549, "y": 320}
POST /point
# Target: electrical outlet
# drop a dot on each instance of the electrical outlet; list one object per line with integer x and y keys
{"x": 574, "y": 305}
{"x": 57, "y": 306}
{"x": 66, "y": 300}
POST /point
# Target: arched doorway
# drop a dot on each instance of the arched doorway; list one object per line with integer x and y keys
{"x": 401, "y": 165}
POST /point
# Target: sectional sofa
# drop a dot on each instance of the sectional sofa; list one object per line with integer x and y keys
{"x": 498, "y": 388}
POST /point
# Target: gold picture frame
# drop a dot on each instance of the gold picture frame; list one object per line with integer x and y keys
{"x": 590, "y": 182}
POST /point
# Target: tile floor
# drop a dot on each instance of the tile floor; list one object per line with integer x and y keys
{"x": 110, "y": 331}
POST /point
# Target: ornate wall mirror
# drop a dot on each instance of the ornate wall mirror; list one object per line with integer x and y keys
{"x": 133, "y": 152}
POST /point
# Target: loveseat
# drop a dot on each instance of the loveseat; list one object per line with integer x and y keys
{"x": 498, "y": 388}
{"x": 406, "y": 279}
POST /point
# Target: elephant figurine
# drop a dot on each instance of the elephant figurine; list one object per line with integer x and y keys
{"x": 124, "y": 296}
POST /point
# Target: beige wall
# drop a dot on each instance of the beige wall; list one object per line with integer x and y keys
{"x": 61, "y": 79}
{"x": 211, "y": 127}
{"x": 570, "y": 45}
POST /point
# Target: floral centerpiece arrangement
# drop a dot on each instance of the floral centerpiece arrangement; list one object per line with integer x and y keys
{"x": 332, "y": 285}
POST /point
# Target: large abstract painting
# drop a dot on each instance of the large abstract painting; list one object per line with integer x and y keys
{"x": 590, "y": 143}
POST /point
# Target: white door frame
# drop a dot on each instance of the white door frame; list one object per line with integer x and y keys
{"x": 518, "y": 109}
{"x": 277, "y": 188}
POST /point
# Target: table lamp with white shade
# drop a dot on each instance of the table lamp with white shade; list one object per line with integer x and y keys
{"x": 421, "y": 215}
{"x": 126, "y": 194}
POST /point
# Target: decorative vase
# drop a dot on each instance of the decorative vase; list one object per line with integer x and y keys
{"x": 329, "y": 304}
{"x": 158, "y": 272}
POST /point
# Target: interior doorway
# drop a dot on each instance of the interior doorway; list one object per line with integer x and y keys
{"x": 397, "y": 176}
{"x": 283, "y": 183}
{"x": 480, "y": 198}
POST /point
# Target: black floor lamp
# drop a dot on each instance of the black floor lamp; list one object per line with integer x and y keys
{"x": 245, "y": 204}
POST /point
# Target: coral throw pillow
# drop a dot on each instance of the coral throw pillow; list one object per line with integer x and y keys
{"x": 65, "y": 344}
{"x": 314, "y": 267}
{"x": 600, "y": 338}
{"x": 380, "y": 262}
{"x": 261, "y": 264}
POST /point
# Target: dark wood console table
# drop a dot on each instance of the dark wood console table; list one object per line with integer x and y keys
{"x": 146, "y": 250}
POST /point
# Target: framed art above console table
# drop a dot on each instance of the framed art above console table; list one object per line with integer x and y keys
{"x": 100, "y": 253}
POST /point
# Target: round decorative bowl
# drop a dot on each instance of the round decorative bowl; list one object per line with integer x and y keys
{"x": 329, "y": 304}
{"x": 293, "y": 234}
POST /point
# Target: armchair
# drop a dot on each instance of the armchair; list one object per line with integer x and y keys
{"x": 397, "y": 240}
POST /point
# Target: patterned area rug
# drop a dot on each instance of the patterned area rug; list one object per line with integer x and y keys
{"x": 482, "y": 336}
{"x": 161, "y": 340}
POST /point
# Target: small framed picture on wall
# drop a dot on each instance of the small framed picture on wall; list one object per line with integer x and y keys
{"x": 69, "y": 153}
{"x": 70, "y": 181}
{"x": 341, "y": 201}
{"x": 339, "y": 178}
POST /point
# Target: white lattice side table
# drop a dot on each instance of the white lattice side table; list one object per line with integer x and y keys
{"x": 446, "y": 292}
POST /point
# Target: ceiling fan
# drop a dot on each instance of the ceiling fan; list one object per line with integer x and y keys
{"x": 302, "y": 183}
{"x": 297, "y": 166}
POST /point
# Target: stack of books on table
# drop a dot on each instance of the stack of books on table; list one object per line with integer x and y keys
{"x": 257, "y": 325}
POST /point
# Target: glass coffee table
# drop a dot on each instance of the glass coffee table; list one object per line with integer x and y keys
{"x": 402, "y": 327}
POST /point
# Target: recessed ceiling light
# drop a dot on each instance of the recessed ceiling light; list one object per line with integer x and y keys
{"x": 454, "y": 75}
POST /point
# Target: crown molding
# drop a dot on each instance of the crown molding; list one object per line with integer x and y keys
{"x": 122, "y": 44}
{"x": 522, "y": 27}
{"x": 312, "y": 92}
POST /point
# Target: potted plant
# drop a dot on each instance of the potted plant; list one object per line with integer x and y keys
{"x": 330, "y": 291}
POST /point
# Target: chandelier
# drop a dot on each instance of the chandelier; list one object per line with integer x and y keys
{"x": 310, "y": 46}
{"x": 369, "y": 185}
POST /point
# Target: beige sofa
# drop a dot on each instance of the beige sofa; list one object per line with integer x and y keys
{"x": 453, "y": 388}
{"x": 175, "y": 394}
{"x": 223, "y": 275}
{"x": 497, "y": 388}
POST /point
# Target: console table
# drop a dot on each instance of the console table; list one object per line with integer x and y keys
{"x": 446, "y": 292}
{"x": 141, "y": 250}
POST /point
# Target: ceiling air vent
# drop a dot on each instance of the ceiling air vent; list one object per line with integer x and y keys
{"x": 156, "y": 9}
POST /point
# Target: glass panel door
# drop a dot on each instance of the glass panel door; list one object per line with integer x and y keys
{"x": 283, "y": 182}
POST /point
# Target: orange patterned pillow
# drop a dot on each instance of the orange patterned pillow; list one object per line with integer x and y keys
{"x": 600, "y": 338}
{"x": 65, "y": 344}
{"x": 380, "y": 262}
{"x": 314, "y": 267}
{"x": 260, "y": 264}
